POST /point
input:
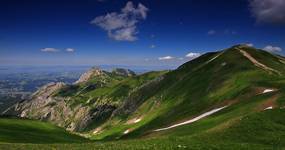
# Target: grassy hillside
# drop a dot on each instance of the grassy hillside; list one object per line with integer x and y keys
{"x": 210, "y": 81}
{"x": 29, "y": 131}
{"x": 264, "y": 130}
{"x": 248, "y": 83}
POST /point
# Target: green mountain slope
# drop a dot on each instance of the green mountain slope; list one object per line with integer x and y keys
{"x": 227, "y": 78}
{"x": 233, "y": 98}
{"x": 29, "y": 131}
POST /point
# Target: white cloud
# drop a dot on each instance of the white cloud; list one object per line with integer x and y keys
{"x": 193, "y": 55}
{"x": 212, "y": 32}
{"x": 70, "y": 49}
{"x": 268, "y": 11}
{"x": 122, "y": 26}
{"x": 249, "y": 44}
{"x": 270, "y": 48}
{"x": 125, "y": 34}
{"x": 166, "y": 58}
{"x": 49, "y": 50}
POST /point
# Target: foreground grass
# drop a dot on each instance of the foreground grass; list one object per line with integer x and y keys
{"x": 30, "y": 131}
{"x": 154, "y": 144}
{"x": 262, "y": 130}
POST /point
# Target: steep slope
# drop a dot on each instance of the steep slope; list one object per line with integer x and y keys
{"x": 217, "y": 80}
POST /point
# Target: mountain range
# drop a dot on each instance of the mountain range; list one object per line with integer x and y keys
{"x": 229, "y": 99}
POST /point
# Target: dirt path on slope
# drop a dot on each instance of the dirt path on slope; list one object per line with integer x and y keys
{"x": 256, "y": 63}
{"x": 218, "y": 55}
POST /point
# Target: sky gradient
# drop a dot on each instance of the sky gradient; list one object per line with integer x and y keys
{"x": 143, "y": 33}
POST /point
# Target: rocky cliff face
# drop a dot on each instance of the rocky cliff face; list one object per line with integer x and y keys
{"x": 124, "y": 72}
{"x": 90, "y": 74}
{"x": 45, "y": 105}
{"x": 39, "y": 98}
{"x": 75, "y": 107}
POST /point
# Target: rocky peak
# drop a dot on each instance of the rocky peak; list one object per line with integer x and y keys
{"x": 93, "y": 72}
{"x": 49, "y": 88}
{"x": 123, "y": 72}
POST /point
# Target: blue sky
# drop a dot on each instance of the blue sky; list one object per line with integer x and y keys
{"x": 138, "y": 32}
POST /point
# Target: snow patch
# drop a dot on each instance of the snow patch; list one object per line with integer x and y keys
{"x": 268, "y": 91}
{"x": 135, "y": 120}
{"x": 97, "y": 130}
{"x": 127, "y": 131}
{"x": 268, "y": 108}
{"x": 181, "y": 146}
{"x": 194, "y": 119}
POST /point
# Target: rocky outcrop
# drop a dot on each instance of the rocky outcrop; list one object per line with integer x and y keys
{"x": 124, "y": 72}
{"x": 44, "y": 106}
{"x": 93, "y": 72}
{"x": 40, "y": 98}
